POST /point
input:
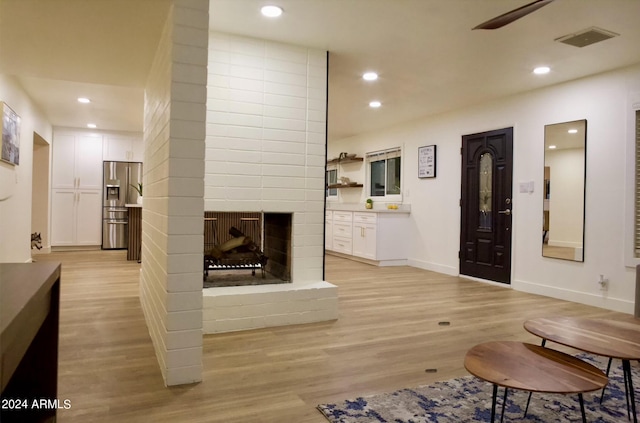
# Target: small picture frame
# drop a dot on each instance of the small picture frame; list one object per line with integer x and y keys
{"x": 427, "y": 161}
{"x": 10, "y": 135}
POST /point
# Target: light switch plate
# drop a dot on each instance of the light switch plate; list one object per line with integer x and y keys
{"x": 526, "y": 187}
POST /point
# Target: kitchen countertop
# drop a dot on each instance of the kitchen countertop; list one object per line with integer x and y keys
{"x": 133, "y": 205}
{"x": 357, "y": 207}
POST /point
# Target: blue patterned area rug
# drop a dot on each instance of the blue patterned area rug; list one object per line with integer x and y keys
{"x": 468, "y": 399}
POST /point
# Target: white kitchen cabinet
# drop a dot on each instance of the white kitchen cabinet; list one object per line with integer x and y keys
{"x": 342, "y": 232}
{"x": 64, "y": 174}
{"x": 364, "y": 235}
{"x": 377, "y": 236}
{"x": 76, "y": 196}
{"x": 76, "y": 217}
{"x": 63, "y": 217}
{"x": 122, "y": 148}
{"x": 328, "y": 230}
{"x": 77, "y": 161}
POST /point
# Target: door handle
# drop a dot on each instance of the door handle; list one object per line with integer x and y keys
{"x": 507, "y": 212}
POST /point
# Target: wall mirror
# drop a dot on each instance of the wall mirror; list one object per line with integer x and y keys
{"x": 564, "y": 190}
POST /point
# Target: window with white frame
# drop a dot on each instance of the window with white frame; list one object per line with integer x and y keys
{"x": 332, "y": 179}
{"x": 384, "y": 169}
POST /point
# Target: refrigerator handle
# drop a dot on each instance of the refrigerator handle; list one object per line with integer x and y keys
{"x": 126, "y": 188}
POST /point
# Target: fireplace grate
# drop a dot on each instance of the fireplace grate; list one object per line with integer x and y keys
{"x": 240, "y": 252}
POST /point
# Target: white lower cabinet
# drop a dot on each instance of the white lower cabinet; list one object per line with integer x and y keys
{"x": 328, "y": 230}
{"x": 377, "y": 236}
{"x": 364, "y": 235}
{"x": 342, "y": 227}
{"x": 75, "y": 217}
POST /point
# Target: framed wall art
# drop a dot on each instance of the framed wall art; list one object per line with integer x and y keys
{"x": 427, "y": 161}
{"x": 10, "y": 135}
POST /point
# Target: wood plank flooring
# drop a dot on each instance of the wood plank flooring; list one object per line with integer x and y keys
{"x": 387, "y": 335}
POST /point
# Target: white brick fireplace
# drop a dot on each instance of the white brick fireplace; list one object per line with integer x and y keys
{"x": 265, "y": 152}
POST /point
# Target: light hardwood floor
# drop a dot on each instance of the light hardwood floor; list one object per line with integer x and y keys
{"x": 388, "y": 333}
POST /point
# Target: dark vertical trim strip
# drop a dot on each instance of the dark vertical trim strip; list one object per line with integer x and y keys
{"x": 326, "y": 152}
{"x": 584, "y": 194}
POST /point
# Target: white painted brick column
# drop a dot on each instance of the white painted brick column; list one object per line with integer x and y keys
{"x": 266, "y": 142}
{"x": 173, "y": 209}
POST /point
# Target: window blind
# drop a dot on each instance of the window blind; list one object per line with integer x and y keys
{"x": 390, "y": 153}
{"x": 637, "y": 191}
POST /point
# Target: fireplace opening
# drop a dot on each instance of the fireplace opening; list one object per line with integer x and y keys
{"x": 246, "y": 248}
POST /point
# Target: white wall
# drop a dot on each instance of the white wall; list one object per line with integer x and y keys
{"x": 15, "y": 181}
{"x": 566, "y": 205}
{"x": 173, "y": 209}
{"x": 603, "y": 101}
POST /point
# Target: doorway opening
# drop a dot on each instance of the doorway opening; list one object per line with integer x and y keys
{"x": 40, "y": 194}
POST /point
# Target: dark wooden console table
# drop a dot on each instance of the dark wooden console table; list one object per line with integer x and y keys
{"x": 29, "y": 316}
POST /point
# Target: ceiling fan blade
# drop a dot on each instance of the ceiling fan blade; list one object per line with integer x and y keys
{"x": 507, "y": 18}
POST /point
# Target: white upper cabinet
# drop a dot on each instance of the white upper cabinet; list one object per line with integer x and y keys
{"x": 122, "y": 148}
{"x": 88, "y": 162}
{"x": 64, "y": 175}
{"x": 77, "y": 161}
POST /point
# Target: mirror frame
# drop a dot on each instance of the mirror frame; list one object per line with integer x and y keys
{"x": 563, "y": 252}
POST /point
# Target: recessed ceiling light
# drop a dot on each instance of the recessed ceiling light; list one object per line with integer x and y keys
{"x": 271, "y": 11}
{"x": 83, "y": 100}
{"x": 572, "y": 131}
{"x": 91, "y": 125}
{"x": 552, "y": 147}
{"x": 370, "y": 76}
{"x": 375, "y": 104}
{"x": 541, "y": 70}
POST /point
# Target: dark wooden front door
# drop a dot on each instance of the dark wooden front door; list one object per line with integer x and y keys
{"x": 486, "y": 205}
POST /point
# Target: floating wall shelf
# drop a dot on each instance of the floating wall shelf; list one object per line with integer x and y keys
{"x": 345, "y": 161}
{"x": 352, "y": 185}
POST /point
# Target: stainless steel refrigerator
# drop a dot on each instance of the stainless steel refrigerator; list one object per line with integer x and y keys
{"x": 119, "y": 179}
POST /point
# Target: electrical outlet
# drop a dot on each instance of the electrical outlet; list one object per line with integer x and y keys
{"x": 604, "y": 283}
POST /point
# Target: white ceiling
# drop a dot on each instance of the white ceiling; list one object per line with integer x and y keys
{"x": 428, "y": 58}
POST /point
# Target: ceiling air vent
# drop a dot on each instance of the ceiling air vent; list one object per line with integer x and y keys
{"x": 587, "y": 37}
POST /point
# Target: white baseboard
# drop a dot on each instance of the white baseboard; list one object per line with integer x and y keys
{"x": 381, "y": 263}
{"x": 76, "y": 248}
{"x": 434, "y": 267}
{"x": 602, "y": 300}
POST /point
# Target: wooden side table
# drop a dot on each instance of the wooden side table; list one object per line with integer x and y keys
{"x": 607, "y": 338}
{"x": 533, "y": 368}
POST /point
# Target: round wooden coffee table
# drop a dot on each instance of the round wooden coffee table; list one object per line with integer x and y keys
{"x": 607, "y": 338}
{"x": 533, "y": 368}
